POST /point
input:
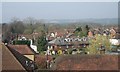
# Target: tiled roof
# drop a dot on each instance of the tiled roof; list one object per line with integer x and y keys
{"x": 87, "y": 62}
{"x": 23, "y": 49}
{"x": 9, "y": 61}
{"x": 25, "y": 62}
{"x": 41, "y": 60}
{"x": 71, "y": 30}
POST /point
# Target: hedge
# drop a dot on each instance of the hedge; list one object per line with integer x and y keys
{"x": 22, "y": 42}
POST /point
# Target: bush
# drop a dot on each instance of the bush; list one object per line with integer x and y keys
{"x": 22, "y": 42}
{"x": 96, "y": 43}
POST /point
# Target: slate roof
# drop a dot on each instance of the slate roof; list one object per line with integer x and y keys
{"x": 57, "y": 41}
{"x": 61, "y": 41}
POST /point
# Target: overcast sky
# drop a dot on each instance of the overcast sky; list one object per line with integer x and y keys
{"x": 59, "y": 10}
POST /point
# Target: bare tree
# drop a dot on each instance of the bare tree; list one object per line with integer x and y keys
{"x": 17, "y": 27}
{"x": 29, "y": 20}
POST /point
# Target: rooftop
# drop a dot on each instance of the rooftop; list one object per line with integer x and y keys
{"x": 23, "y": 49}
{"x": 86, "y": 62}
{"x": 9, "y": 61}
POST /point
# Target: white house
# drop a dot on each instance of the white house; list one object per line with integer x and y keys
{"x": 22, "y": 38}
{"x": 115, "y": 41}
{"x": 34, "y": 47}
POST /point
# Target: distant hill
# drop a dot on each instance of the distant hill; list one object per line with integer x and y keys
{"x": 100, "y": 21}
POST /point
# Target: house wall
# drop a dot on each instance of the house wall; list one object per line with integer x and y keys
{"x": 63, "y": 47}
{"x": 31, "y": 57}
{"x": 71, "y": 46}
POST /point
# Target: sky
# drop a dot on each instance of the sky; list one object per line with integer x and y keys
{"x": 60, "y": 0}
{"x": 59, "y": 10}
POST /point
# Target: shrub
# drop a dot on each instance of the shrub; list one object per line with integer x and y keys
{"x": 21, "y": 42}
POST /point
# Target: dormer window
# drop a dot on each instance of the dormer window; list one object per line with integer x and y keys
{"x": 26, "y": 62}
